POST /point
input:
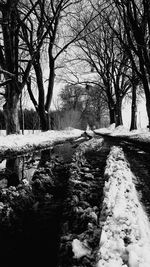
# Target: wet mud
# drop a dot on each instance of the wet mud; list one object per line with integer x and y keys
{"x": 83, "y": 205}
{"x": 41, "y": 215}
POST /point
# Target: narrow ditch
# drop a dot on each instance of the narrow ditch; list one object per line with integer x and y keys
{"x": 80, "y": 231}
{"x": 46, "y": 218}
{"x": 31, "y": 211}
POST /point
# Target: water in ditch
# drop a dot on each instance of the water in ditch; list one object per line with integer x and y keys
{"x": 39, "y": 202}
{"x": 32, "y": 190}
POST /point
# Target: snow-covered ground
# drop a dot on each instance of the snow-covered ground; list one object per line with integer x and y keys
{"x": 39, "y": 139}
{"x": 140, "y": 135}
{"x": 26, "y": 142}
{"x": 125, "y": 237}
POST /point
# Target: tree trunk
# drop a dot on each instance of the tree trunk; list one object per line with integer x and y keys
{"x": 11, "y": 114}
{"x": 148, "y": 111}
{"x": 133, "y": 109}
{"x": 111, "y": 104}
{"x": 118, "y": 112}
{"x": 21, "y": 115}
{"x": 12, "y": 91}
{"x": 50, "y": 85}
{"x": 111, "y": 114}
{"x": 145, "y": 82}
{"x": 44, "y": 121}
{"x": 147, "y": 96}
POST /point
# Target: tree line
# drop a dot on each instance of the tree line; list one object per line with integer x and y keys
{"x": 29, "y": 121}
{"x": 79, "y": 106}
{"x": 43, "y": 40}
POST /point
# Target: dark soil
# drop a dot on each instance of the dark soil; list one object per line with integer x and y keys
{"x": 31, "y": 216}
{"x": 62, "y": 202}
{"x": 83, "y": 204}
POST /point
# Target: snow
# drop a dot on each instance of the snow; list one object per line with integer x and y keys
{"x": 112, "y": 130}
{"x": 38, "y": 139}
{"x": 80, "y": 249}
{"x": 140, "y": 135}
{"x": 125, "y": 237}
{"x": 26, "y": 142}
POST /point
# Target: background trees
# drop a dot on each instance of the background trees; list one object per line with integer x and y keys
{"x": 85, "y": 105}
{"x": 40, "y": 39}
{"x": 102, "y": 51}
{"x": 134, "y": 17}
{"x": 45, "y": 31}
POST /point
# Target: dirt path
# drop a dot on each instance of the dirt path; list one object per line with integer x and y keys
{"x": 140, "y": 165}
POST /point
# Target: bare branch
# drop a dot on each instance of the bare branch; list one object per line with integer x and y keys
{"x": 7, "y": 72}
{"x": 5, "y": 83}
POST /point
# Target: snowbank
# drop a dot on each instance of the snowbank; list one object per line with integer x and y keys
{"x": 112, "y": 130}
{"x": 80, "y": 249}
{"x": 140, "y": 136}
{"x": 125, "y": 237}
{"x": 17, "y": 143}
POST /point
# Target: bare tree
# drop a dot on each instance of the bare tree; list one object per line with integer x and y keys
{"x": 9, "y": 63}
{"x": 14, "y": 68}
{"x": 47, "y": 25}
{"x": 134, "y": 16}
{"x": 105, "y": 56}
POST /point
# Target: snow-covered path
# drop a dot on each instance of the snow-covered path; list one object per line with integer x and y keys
{"x": 22, "y": 143}
{"x": 125, "y": 238}
{"x": 140, "y": 137}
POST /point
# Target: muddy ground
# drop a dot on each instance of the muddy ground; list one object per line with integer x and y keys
{"x": 44, "y": 220}
{"x": 41, "y": 219}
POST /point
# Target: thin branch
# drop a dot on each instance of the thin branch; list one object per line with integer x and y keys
{"x": 7, "y": 72}
{"x": 31, "y": 93}
{"x": 5, "y": 83}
